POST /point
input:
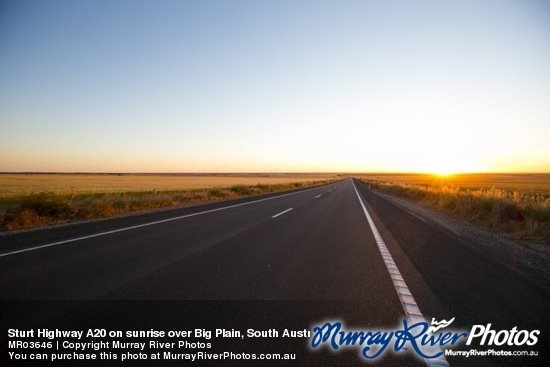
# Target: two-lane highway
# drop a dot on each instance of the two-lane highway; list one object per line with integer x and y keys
{"x": 311, "y": 244}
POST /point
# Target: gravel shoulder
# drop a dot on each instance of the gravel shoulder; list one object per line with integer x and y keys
{"x": 530, "y": 259}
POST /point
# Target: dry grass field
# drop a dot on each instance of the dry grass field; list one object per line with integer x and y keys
{"x": 517, "y": 204}
{"x": 18, "y": 184}
{"x": 36, "y": 200}
{"x": 512, "y": 182}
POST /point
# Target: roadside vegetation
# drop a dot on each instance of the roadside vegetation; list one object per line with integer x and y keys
{"x": 46, "y": 208}
{"x": 523, "y": 214}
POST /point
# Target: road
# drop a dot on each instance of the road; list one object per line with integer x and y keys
{"x": 311, "y": 249}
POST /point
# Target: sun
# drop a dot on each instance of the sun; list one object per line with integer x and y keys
{"x": 447, "y": 164}
{"x": 443, "y": 171}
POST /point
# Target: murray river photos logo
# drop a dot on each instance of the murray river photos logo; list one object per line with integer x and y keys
{"x": 426, "y": 340}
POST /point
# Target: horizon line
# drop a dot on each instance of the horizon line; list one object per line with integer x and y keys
{"x": 272, "y": 173}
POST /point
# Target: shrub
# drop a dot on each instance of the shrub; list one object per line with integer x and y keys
{"x": 240, "y": 189}
{"x": 46, "y": 205}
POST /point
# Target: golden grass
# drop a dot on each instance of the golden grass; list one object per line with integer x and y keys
{"x": 17, "y": 184}
{"x": 34, "y": 200}
{"x": 536, "y": 182}
{"x": 516, "y": 204}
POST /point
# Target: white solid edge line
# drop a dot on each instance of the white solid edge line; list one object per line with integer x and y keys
{"x": 147, "y": 224}
{"x": 405, "y": 296}
{"x": 281, "y": 213}
{"x": 318, "y": 196}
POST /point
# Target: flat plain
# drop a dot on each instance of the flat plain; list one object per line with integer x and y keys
{"x": 30, "y": 183}
{"x": 531, "y": 182}
{"x": 518, "y": 204}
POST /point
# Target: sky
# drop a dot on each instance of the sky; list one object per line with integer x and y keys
{"x": 274, "y": 86}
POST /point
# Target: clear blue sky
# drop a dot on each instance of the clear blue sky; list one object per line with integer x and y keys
{"x": 218, "y": 86}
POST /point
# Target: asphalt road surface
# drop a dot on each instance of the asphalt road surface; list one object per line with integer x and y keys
{"x": 312, "y": 250}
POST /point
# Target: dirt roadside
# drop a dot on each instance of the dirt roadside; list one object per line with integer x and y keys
{"x": 531, "y": 259}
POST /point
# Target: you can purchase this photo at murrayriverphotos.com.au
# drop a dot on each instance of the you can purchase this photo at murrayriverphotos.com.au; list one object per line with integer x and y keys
{"x": 275, "y": 183}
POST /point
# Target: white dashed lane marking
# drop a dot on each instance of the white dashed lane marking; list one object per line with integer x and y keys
{"x": 281, "y": 213}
